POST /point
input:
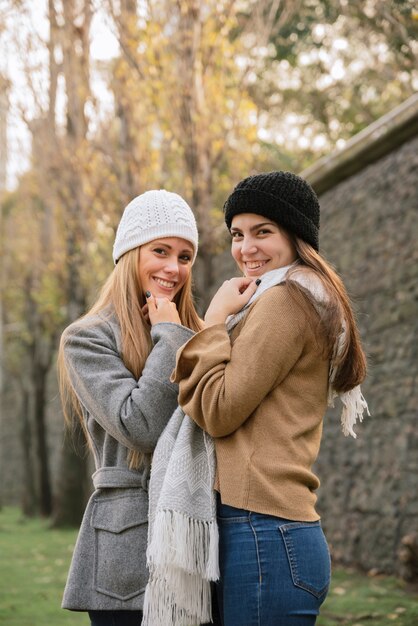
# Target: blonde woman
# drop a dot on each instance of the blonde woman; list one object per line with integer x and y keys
{"x": 278, "y": 345}
{"x": 115, "y": 365}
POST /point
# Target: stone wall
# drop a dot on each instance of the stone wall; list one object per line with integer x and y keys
{"x": 369, "y": 229}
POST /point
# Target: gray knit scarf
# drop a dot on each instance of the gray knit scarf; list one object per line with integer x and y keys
{"x": 182, "y": 552}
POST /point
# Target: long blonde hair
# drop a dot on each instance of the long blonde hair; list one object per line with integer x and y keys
{"x": 351, "y": 364}
{"x": 122, "y": 295}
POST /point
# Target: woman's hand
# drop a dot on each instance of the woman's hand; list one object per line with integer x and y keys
{"x": 160, "y": 310}
{"x": 230, "y": 298}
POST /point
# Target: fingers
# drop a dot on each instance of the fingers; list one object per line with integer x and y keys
{"x": 154, "y": 303}
{"x": 145, "y": 312}
{"x": 247, "y": 292}
{"x": 161, "y": 310}
{"x": 151, "y": 302}
{"x": 242, "y": 284}
{"x": 249, "y": 289}
{"x": 151, "y": 307}
{"x": 245, "y": 284}
{"x": 232, "y": 296}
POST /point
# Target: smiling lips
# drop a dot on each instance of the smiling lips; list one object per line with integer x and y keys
{"x": 166, "y": 284}
{"x": 254, "y": 265}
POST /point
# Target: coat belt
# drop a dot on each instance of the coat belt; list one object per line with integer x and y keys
{"x": 117, "y": 477}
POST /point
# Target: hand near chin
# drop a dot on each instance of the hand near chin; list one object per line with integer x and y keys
{"x": 160, "y": 310}
{"x": 230, "y": 298}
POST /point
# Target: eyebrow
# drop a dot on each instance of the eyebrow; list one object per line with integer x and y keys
{"x": 167, "y": 245}
{"x": 256, "y": 226}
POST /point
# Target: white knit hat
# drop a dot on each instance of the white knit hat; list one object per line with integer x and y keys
{"x": 152, "y": 215}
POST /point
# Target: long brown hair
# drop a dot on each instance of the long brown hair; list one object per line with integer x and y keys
{"x": 350, "y": 365}
{"x": 122, "y": 296}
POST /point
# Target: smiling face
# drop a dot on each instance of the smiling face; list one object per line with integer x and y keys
{"x": 164, "y": 266}
{"x": 259, "y": 245}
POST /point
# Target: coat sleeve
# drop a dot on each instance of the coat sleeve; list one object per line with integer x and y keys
{"x": 132, "y": 411}
{"x": 221, "y": 382}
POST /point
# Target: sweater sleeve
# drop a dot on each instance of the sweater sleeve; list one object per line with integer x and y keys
{"x": 221, "y": 382}
{"x": 132, "y": 411}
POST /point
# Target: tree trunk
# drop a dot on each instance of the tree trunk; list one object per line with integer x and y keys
{"x": 4, "y": 107}
{"x": 73, "y": 487}
{"x": 70, "y": 499}
{"x": 29, "y": 495}
{"x": 193, "y": 119}
{"x": 45, "y": 492}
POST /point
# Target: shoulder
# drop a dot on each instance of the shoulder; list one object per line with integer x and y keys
{"x": 283, "y": 309}
{"x": 97, "y": 327}
{"x": 276, "y": 300}
{"x": 309, "y": 282}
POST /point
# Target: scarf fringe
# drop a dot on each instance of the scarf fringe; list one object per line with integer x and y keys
{"x": 177, "y": 599}
{"x": 184, "y": 542}
{"x": 183, "y": 558}
{"x": 354, "y": 405}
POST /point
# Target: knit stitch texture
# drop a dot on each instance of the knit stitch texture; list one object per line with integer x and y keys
{"x": 152, "y": 215}
{"x": 283, "y": 197}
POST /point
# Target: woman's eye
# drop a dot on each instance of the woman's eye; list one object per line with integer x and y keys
{"x": 159, "y": 250}
{"x": 236, "y": 235}
{"x": 185, "y": 258}
{"x": 264, "y": 231}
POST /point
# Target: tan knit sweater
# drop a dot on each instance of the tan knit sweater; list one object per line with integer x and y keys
{"x": 261, "y": 393}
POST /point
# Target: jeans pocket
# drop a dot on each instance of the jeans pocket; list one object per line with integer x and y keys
{"x": 308, "y": 556}
{"x": 120, "y": 535}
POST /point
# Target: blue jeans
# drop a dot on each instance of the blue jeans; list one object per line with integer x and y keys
{"x": 115, "y": 618}
{"x": 274, "y": 572}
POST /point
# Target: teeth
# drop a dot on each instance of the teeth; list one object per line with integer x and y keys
{"x": 164, "y": 283}
{"x": 253, "y": 265}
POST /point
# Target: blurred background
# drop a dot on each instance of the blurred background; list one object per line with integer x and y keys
{"x": 103, "y": 100}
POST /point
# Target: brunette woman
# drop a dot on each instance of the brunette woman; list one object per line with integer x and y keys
{"x": 278, "y": 345}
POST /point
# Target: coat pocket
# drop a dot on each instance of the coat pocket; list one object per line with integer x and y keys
{"x": 308, "y": 555}
{"x": 120, "y": 536}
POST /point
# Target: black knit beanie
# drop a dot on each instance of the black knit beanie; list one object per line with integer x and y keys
{"x": 283, "y": 197}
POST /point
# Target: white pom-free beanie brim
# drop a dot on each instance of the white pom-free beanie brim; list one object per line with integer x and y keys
{"x": 152, "y": 215}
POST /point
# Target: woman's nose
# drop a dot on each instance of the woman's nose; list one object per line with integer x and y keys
{"x": 171, "y": 266}
{"x": 248, "y": 246}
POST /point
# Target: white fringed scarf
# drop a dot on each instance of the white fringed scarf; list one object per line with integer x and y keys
{"x": 182, "y": 552}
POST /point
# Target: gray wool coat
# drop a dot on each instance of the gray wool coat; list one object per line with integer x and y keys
{"x": 108, "y": 569}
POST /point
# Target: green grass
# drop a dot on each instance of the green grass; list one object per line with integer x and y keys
{"x": 33, "y": 566}
{"x": 358, "y": 600}
{"x": 34, "y": 561}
